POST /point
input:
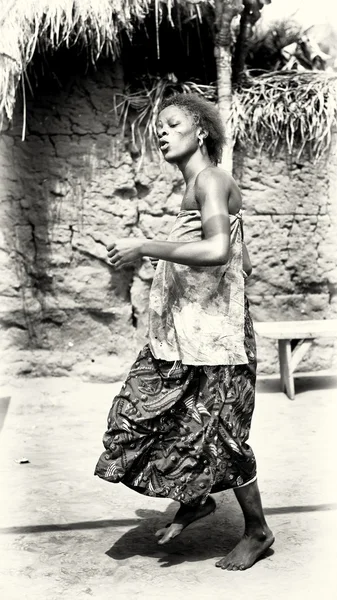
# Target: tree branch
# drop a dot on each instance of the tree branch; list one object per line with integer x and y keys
{"x": 250, "y": 15}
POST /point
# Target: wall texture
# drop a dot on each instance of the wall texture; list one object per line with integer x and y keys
{"x": 72, "y": 186}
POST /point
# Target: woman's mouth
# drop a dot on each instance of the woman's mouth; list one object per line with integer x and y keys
{"x": 164, "y": 146}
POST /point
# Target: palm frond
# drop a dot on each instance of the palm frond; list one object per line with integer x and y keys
{"x": 292, "y": 110}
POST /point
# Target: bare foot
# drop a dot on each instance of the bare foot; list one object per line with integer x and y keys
{"x": 248, "y": 551}
{"x": 185, "y": 516}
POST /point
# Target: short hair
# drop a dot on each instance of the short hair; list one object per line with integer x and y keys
{"x": 206, "y": 116}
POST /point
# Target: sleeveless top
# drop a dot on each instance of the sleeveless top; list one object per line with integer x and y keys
{"x": 196, "y": 314}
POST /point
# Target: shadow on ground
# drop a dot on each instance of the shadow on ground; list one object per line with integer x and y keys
{"x": 212, "y": 537}
{"x": 148, "y": 515}
{"x": 4, "y": 404}
{"x": 303, "y": 383}
{"x": 200, "y": 541}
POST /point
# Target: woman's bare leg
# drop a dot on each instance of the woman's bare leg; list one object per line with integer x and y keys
{"x": 257, "y": 537}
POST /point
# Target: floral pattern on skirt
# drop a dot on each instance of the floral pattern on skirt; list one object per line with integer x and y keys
{"x": 180, "y": 431}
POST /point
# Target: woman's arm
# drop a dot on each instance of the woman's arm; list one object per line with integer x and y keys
{"x": 212, "y": 188}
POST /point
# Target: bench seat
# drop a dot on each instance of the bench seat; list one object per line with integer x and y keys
{"x": 294, "y": 339}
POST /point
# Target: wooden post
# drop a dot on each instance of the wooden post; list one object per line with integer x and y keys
{"x": 299, "y": 352}
{"x": 225, "y": 11}
{"x": 294, "y": 340}
{"x": 287, "y": 379}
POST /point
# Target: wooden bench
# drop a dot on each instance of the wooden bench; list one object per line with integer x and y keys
{"x": 294, "y": 339}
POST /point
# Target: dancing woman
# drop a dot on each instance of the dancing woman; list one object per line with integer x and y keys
{"x": 180, "y": 424}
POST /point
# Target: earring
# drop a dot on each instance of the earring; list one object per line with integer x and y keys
{"x": 201, "y": 140}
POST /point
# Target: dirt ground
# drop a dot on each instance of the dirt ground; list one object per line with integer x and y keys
{"x": 67, "y": 534}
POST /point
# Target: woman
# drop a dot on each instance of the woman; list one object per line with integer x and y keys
{"x": 179, "y": 426}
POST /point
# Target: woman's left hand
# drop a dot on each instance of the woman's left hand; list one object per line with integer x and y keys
{"x": 124, "y": 251}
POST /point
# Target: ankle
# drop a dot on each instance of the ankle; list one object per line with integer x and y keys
{"x": 258, "y": 531}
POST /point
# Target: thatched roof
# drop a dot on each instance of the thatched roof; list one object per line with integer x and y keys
{"x": 293, "y": 111}
{"x": 297, "y": 110}
{"x": 26, "y": 24}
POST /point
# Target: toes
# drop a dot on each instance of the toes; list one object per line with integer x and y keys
{"x": 228, "y": 566}
{"x": 162, "y": 541}
{"x": 220, "y": 563}
{"x": 163, "y": 530}
{"x": 167, "y": 535}
{"x": 166, "y": 538}
{"x": 160, "y": 532}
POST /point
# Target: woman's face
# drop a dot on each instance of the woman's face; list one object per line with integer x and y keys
{"x": 177, "y": 134}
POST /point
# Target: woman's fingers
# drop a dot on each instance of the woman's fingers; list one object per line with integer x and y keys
{"x": 113, "y": 257}
{"x": 120, "y": 264}
{"x": 154, "y": 262}
{"x": 117, "y": 261}
{"x": 119, "y": 256}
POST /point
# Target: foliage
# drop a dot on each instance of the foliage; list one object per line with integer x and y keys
{"x": 140, "y": 107}
{"x": 265, "y": 46}
{"x": 291, "y": 109}
{"x": 297, "y": 109}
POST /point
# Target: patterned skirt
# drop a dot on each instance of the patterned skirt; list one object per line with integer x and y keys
{"x": 180, "y": 431}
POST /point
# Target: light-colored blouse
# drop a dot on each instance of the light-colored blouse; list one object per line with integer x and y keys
{"x": 196, "y": 314}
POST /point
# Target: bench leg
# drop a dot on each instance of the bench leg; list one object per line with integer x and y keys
{"x": 299, "y": 352}
{"x": 287, "y": 379}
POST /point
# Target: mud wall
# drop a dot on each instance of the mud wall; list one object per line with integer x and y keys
{"x": 72, "y": 186}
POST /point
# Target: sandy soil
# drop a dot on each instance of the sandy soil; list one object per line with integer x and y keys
{"x": 67, "y": 534}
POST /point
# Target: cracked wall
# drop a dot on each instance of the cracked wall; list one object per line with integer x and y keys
{"x": 291, "y": 228}
{"x": 71, "y": 186}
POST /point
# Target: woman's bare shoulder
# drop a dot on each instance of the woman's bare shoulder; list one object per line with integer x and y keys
{"x": 220, "y": 181}
{"x": 215, "y": 175}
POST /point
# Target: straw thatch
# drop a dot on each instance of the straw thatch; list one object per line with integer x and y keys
{"x": 97, "y": 24}
{"x": 295, "y": 111}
